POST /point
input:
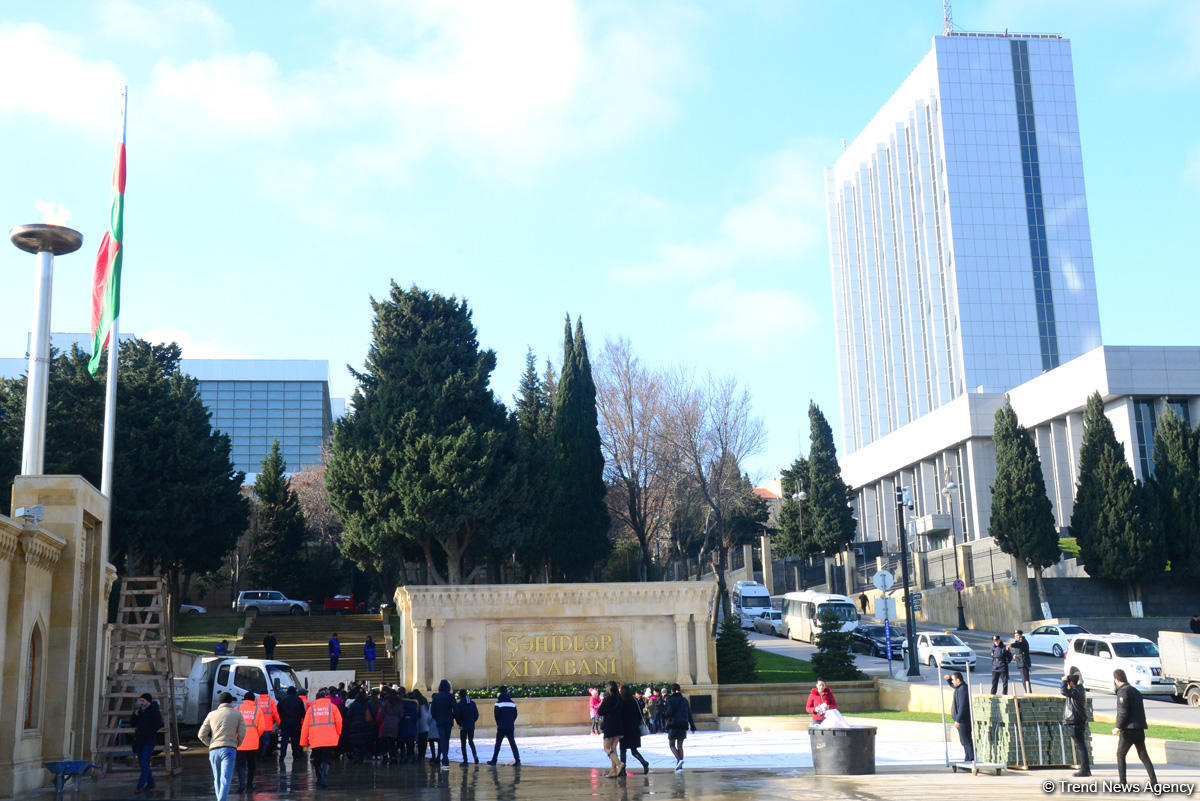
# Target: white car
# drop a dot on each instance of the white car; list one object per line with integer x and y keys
{"x": 943, "y": 650}
{"x": 1092, "y": 658}
{"x": 770, "y": 623}
{"x": 1054, "y": 639}
{"x": 192, "y": 609}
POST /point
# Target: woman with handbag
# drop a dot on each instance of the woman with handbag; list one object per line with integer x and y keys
{"x": 632, "y": 729}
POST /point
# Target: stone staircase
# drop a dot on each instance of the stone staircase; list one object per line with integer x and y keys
{"x": 303, "y": 643}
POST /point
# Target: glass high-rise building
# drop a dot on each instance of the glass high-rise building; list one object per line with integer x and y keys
{"x": 958, "y": 227}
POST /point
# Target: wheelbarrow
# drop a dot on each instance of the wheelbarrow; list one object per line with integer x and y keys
{"x": 65, "y": 769}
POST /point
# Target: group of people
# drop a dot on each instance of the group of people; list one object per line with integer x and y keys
{"x": 335, "y": 651}
{"x": 623, "y": 716}
{"x": 1129, "y": 727}
{"x": 1016, "y": 654}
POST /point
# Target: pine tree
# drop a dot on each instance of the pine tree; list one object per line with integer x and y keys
{"x": 425, "y": 461}
{"x": 833, "y": 660}
{"x": 735, "y": 655}
{"x": 277, "y": 531}
{"x": 1127, "y": 542}
{"x": 795, "y": 527}
{"x": 830, "y": 518}
{"x": 1022, "y": 522}
{"x": 1098, "y": 435}
{"x": 580, "y": 518}
{"x": 1177, "y": 485}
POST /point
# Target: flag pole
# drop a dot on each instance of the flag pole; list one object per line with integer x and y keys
{"x": 110, "y": 384}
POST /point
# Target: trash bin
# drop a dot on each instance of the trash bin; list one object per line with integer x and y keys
{"x": 843, "y": 752}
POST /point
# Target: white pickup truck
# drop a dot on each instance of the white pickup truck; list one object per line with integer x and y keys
{"x": 1179, "y": 655}
{"x": 196, "y": 695}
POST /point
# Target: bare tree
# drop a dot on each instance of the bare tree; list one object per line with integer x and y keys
{"x": 710, "y": 430}
{"x": 320, "y": 519}
{"x": 629, "y": 399}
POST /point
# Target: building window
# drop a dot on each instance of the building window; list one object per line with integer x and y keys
{"x": 1145, "y": 423}
{"x": 33, "y": 680}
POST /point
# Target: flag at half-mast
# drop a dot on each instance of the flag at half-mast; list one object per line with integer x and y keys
{"x": 106, "y": 284}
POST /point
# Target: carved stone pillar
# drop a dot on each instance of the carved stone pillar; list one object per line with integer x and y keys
{"x": 439, "y": 651}
{"x": 683, "y": 667}
{"x": 418, "y": 678}
{"x": 702, "y": 674}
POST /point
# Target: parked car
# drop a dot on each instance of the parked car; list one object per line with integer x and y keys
{"x": 1054, "y": 639}
{"x": 1092, "y": 658}
{"x": 192, "y": 609}
{"x": 339, "y": 605}
{"x": 943, "y": 650}
{"x": 872, "y": 640}
{"x": 770, "y": 623}
{"x": 268, "y": 602}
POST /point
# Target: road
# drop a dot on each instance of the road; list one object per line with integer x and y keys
{"x": 1045, "y": 673}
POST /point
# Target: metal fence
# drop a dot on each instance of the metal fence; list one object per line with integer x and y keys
{"x": 989, "y": 565}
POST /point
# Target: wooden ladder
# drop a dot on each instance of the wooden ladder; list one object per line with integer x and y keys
{"x": 139, "y": 662}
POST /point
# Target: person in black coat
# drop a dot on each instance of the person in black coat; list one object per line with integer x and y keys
{"x": 291, "y": 720}
{"x": 1130, "y": 725}
{"x": 679, "y": 721}
{"x": 1000, "y": 657}
{"x": 358, "y": 724}
{"x": 1075, "y": 718}
{"x": 631, "y": 728}
{"x": 1019, "y": 650}
{"x": 146, "y": 722}
{"x": 505, "y": 713}
{"x": 465, "y": 715}
{"x": 441, "y": 706}
{"x": 611, "y": 726}
{"x": 269, "y": 643}
{"x": 960, "y": 713}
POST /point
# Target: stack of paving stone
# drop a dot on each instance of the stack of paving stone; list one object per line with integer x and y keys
{"x": 1025, "y": 731}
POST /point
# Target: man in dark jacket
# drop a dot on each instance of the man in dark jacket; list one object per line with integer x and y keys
{"x": 146, "y": 721}
{"x": 1019, "y": 650}
{"x": 269, "y": 643}
{"x": 465, "y": 715}
{"x": 291, "y": 719}
{"x": 1131, "y": 725}
{"x": 335, "y": 651}
{"x": 1075, "y": 718}
{"x": 441, "y": 707}
{"x": 505, "y": 712}
{"x": 960, "y": 713}
{"x": 679, "y": 721}
{"x": 1000, "y": 657}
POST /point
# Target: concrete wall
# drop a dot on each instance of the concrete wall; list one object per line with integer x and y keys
{"x": 789, "y": 699}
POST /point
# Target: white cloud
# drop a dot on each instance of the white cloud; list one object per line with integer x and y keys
{"x": 164, "y": 26}
{"x": 52, "y": 212}
{"x": 758, "y": 316}
{"x": 42, "y": 73}
{"x": 193, "y": 348}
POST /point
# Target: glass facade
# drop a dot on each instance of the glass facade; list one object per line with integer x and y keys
{"x": 256, "y": 413}
{"x": 959, "y": 242}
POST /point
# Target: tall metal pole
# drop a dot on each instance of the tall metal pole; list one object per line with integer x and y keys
{"x": 800, "y": 497}
{"x": 110, "y": 413}
{"x": 909, "y": 625}
{"x": 947, "y": 490}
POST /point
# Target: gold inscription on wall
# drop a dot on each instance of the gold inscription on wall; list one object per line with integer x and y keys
{"x": 557, "y": 656}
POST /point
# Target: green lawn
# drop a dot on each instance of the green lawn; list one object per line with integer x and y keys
{"x": 776, "y": 669}
{"x": 1068, "y": 545}
{"x": 198, "y": 634}
{"x": 1098, "y": 727}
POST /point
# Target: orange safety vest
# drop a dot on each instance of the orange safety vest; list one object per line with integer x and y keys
{"x": 322, "y": 725}
{"x": 254, "y": 725}
{"x": 268, "y": 709}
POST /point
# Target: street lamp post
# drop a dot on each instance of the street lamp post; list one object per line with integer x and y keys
{"x": 909, "y": 624}
{"x": 948, "y": 491}
{"x": 799, "y": 498}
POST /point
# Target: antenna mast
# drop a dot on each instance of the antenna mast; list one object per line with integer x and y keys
{"x": 947, "y": 18}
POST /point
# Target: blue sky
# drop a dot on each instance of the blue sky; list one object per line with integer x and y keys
{"x": 653, "y": 167}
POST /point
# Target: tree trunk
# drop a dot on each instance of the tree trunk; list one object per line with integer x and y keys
{"x": 430, "y": 568}
{"x": 722, "y": 599}
{"x": 647, "y": 564}
{"x": 1134, "y": 591}
{"x": 1041, "y": 590}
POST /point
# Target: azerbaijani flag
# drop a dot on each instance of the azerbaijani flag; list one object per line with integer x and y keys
{"x": 106, "y": 283}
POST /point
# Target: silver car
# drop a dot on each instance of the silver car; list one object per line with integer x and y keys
{"x": 268, "y": 602}
{"x": 770, "y": 623}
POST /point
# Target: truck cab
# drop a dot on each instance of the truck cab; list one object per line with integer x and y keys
{"x": 237, "y": 676}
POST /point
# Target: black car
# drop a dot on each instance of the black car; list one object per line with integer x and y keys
{"x": 871, "y": 640}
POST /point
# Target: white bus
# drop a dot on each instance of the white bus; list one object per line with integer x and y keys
{"x": 749, "y": 600}
{"x": 802, "y": 613}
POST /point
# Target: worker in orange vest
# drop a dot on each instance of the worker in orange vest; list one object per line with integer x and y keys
{"x": 270, "y": 715}
{"x": 321, "y": 730}
{"x": 247, "y": 752}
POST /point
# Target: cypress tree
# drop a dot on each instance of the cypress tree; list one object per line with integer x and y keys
{"x": 1022, "y": 522}
{"x": 1127, "y": 543}
{"x": 833, "y": 660}
{"x": 830, "y": 518}
{"x": 1177, "y": 486}
{"x": 535, "y": 454}
{"x": 580, "y": 516}
{"x": 795, "y": 528}
{"x": 1098, "y": 435}
{"x": 735, "y": 654}
{"x": 276, "y": 539}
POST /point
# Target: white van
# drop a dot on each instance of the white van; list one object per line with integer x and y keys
{"x": 802, "y": 613}
{"x": 749, "y": 600}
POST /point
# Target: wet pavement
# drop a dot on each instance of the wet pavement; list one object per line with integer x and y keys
{"x": 508, "y": 782}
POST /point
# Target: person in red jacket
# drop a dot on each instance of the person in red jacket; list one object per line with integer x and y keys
{"x": 321, "y": 730}
{"x": 247, "y": 750}
{"x": 820, "y": 699}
